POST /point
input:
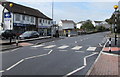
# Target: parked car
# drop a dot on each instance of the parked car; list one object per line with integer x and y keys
{"x": 7, "y": 34}
{"x": 1, "y": 31}
{"x": 29, "y": 34}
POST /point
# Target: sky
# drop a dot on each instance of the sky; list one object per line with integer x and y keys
{"x": 76, "y": 11}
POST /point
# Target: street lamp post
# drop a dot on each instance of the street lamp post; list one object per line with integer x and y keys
{"x": 11, "y": 5}
{"x": 52, "y": 18}
{"x": 115, "y": 27}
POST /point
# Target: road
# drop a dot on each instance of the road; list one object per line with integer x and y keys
{"x": 69, "y": 56}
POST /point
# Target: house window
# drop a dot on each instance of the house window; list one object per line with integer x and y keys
{"x": 32, "y": 19}
{"x": 40, "y": 21}
{"x": 23, "y": 17}
{"x": 48, "y": 22}
{"x": 17, "y": 18}
{"x": 43, "y": 20}
{"x": 27, "y": 18}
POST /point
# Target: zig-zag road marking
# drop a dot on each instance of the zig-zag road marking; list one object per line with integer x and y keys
{"x": 85, "y": 64}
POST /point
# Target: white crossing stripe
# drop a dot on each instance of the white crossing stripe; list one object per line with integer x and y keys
{"x": 63, "y": 47}
{"x": 91, "y": 49}
{"x": 50, "y": 46}
{"x": 38, "y": 46}
{"x": 76, "y": 47}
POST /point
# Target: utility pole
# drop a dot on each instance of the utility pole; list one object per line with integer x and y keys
{"x": 52, "y": 18}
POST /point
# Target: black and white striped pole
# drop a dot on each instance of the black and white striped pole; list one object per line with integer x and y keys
{"x": 110, "y": 41}
{"x": 115, "y": 28}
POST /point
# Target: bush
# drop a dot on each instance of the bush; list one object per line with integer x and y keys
{"x": 100, "y": 28}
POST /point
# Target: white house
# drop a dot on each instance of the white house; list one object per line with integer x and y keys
{"x": 102, "y": 23}
{"x": 79, "y": 24}
{"x": 66, "y": 24}
{"x": 67, "y": 27}
{"x": 21, "y": 18}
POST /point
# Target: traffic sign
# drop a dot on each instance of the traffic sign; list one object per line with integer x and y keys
{"x": 7, "y": 15}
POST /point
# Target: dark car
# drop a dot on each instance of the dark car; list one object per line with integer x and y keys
{"x": 29, "y": 34}
{"x": 8, "y": 33}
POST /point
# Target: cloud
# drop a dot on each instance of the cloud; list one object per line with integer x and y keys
{"x": 76, "y": 11}
{"x": 93, "y": 11}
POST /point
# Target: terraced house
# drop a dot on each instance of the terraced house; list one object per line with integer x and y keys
{"x": 21, "y": 18}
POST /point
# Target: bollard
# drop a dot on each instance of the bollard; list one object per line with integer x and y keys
{"x": 109, "y": 44}
{"x": 17, "y": 41}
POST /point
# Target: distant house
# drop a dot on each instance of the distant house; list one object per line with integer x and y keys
{"x": 102, "y": 23}
{"x": 21, "y": 18}
{"x": 79, "y": 24}
{"x": 67, "y": 26}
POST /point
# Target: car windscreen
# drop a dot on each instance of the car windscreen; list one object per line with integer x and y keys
{"x": 27, "y": 33}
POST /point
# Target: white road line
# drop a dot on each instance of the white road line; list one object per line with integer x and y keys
{"x": 110, "y": 54}
{"x": 88, "y": 73}
{"x": 37, "y": 46}
{"x": 26, "y": 59}
{"x": 14, "y": 49}
{"x": 15, "y": 64}
{"x": 76, "y": 47}
{"x": 35, "y": 56}
{"x": 74, "y": 71}
{"x": 63, "y": 47}
{"x": 91, "y": 49}
{"x": 85, "y": 64}
{"x": 91, "y": 54}
{"x": 100, "y": 45}
{"x": 2, "y": 71}
{"x": 50, "y": 52}
{"x": 10, "y": 51}
{"x": 50, "y": 46}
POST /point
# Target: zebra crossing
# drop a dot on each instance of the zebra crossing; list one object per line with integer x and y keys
{"x": 61, "y": 47}
{"x": 91, "y": 49}
{"x": 77, "y": 48}
{"x": 50, "y": 46}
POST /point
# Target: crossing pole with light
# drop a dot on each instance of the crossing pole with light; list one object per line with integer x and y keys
{"x": 115, "y": 25}
{"x": 11, "y": 5}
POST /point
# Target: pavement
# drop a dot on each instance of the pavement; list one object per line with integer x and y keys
{"x": 7, "y": 42}
{"x": 108, "y": 63}
{"x": 5, "y": 45}
{"x": 65, "y": 57}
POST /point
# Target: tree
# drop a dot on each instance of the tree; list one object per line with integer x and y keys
{"x": 87, "y": 26}
{"x": 112, "y": 21}
{"x": 100, "y": 28}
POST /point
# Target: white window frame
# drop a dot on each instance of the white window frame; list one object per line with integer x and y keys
{"x": 17, "y": 17}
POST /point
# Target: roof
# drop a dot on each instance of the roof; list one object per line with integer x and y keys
{"x": 17, "y": 8}
{"x": 81, "y": 22}
{"x": 98, "y": 21}
{"x": 67, "y": 21}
